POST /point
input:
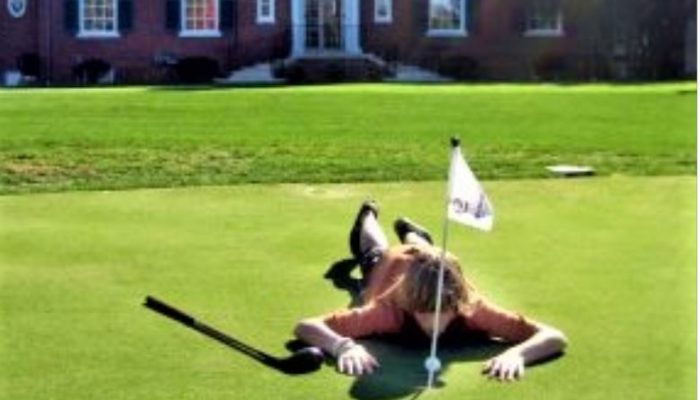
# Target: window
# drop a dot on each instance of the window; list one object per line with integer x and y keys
{"x": 266, "y": 12}
{"x": 382, "y": 11}
{"x": 98, "y": 18}
{"x": 544, "y": 18}
{"x": 200, "y": 18}
{"x": 446, "y": 18}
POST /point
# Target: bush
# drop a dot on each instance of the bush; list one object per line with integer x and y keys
{"x": 294, "y": 74}
{"x": 459, "y": 67}
{"x": 91, "y": 71}
{"x": 196, "y": 70}
{"x": 335, "y": 72}
{"x": 551, "y": 67}
{"x": 594, "y": 67}
{"x": 29, "y": 64}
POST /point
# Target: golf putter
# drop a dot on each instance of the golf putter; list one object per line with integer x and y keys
{"x": 303, "y": 361}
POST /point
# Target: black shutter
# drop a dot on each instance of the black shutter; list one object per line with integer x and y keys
{"x": 226, "y": 15}
{"x": 473, "y": 9}
{"x": 421, "y": 15}
{"x": 519, "y": 16}
{"x": 126, "y": 15}
{"x": 70, "y": 15}
{"x": 172, "y": 15}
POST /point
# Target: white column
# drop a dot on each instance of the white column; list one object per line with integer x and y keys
{"x": 298, "y": 27}
{"x": 351, "y": 11}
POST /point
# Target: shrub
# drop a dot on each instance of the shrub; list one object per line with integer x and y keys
{"x": 551, "y": 67}
{"x": 294, "y": 73}
{"x": 196, "y": 69}
{"x": 335, "y": 72}
{"x": 29, "y": 64}
{"x": 91, "y": 71}
{"x": 459, "y": 67}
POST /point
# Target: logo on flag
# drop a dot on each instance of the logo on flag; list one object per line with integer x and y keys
{"x": 468, "y": 203}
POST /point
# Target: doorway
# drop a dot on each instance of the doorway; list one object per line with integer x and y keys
{"x": 324, "y": 28}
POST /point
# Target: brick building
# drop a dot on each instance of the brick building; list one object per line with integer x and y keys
{"x": 141, "y": 40}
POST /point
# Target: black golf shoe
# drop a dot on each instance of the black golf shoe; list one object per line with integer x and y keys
{"x": 368, "y": 206}
{"x": 403, "y": 226}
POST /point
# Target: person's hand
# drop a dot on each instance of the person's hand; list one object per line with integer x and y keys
{"x": 356, "y": 360}
{"x": 506, "y": 367}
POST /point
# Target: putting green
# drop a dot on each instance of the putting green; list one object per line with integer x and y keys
{"x": 611, "y": 261}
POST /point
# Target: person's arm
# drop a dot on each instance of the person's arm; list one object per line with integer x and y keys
{"x": 334, "y": 332}
{"x": 509, "y": 365}
{"x": 533, "y": 341}
{"x": 352, "y": 358}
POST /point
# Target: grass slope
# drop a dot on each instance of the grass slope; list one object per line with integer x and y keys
{"x": 611, "y": 261}
{"x": 63, "y": 139}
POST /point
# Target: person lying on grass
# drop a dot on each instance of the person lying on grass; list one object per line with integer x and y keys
{"x": 399, "y": 290}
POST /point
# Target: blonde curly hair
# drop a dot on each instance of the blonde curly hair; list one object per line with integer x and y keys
{"x": 417, "y": 290}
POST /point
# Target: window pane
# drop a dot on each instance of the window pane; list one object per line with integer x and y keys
{"x": 445, "y": 14}
{"x": 544, "y": 15}
{"x": 201, "y": 15}
{"x": 382, "y": 8}
{"x": 265, "y": 8}
{"x": 99, "y": 16}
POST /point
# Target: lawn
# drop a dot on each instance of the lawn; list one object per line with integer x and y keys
{"x": 115, "y": 138}
{"x": 611, "y": 261}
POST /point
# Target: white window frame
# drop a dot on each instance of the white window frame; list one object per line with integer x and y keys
{"x": 265, "y": 19}
{"x": 97, "y": 34}
{"x": 199, "y": 33}
{"x": 460, "y": 31}
{"x": 384, "y": 19}
{"x": 557, "y": 31}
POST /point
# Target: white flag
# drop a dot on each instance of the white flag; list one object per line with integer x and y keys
{"x": 468, "y": 203}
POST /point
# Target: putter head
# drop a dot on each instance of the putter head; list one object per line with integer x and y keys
{"x": 308, "y": 359}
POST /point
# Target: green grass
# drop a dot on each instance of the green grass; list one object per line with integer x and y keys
{"x": 611, "y": 261}
{"x": 115, "y": 138}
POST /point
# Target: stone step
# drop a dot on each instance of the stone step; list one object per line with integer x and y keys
{"x": 255, "y": 74}
{"x": 334, "y": 67}
{"x": 412, "y": 73}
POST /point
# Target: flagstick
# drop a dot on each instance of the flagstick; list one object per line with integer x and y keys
{"x": 432, "y": 358}
{"x": 438, "y": 302}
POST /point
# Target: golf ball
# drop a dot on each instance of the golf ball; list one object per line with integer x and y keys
{"x": 433, "y": 364}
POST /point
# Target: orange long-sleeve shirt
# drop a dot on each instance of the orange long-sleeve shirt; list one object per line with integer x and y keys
{"x": 381, "y": 314}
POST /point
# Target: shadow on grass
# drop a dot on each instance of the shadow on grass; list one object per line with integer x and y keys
{"x": 402, "y": 356}
{"x": 340, "y": 275}
{"x": 402, "y": 373}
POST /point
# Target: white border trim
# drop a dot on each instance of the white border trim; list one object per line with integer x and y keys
{"x": 199, "y": 33}
{"x": 389, "y": 18}
{"x": 544, "y": 33}
{"x": 265, "y": 19}
{"x": 446, "y": 33}
{"x": 95, "y": 34}
{"x": 98, "y": 35}
{"x": 461, "y": 31}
